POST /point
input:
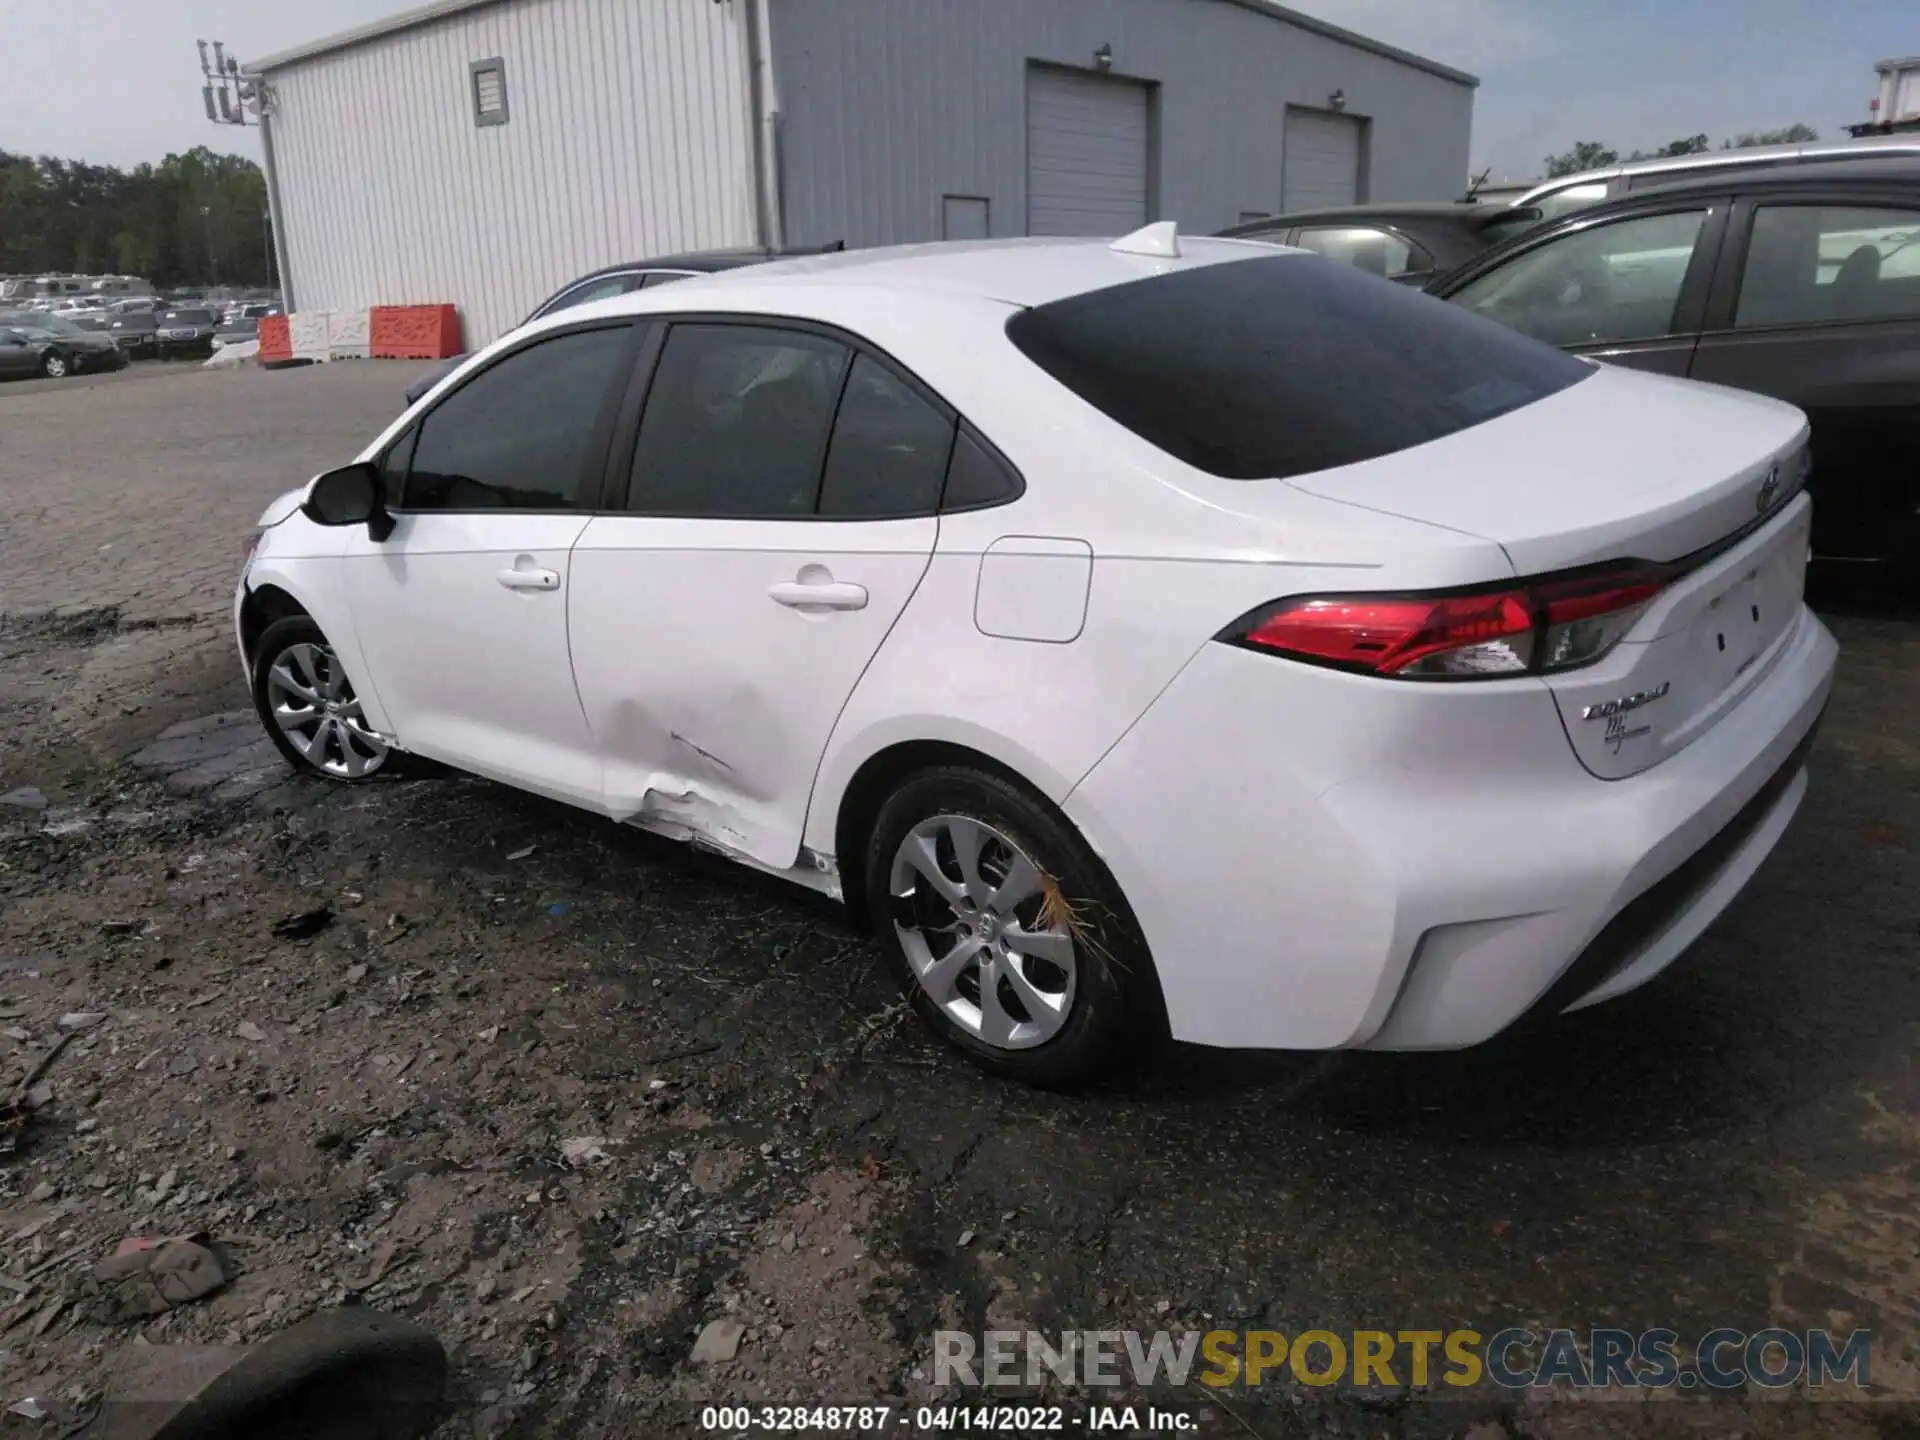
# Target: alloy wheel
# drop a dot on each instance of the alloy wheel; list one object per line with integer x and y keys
{"x": 55, "y": 366}
{"x": 313, "y": 703}
{"x": 971, "y": 912}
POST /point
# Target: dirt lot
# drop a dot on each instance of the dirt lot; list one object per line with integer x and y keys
{"x": 565, "y": 1095}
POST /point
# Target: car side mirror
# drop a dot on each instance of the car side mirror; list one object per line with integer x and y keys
{"x": 351, "y": 495}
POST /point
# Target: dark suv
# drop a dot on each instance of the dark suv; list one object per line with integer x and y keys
{"x": 184, "y": 332}
{"x": 613, "y": 280}
{"x": 1797, "y": 281}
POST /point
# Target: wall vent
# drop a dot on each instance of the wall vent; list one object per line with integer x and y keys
{"x": 489, "y": 91}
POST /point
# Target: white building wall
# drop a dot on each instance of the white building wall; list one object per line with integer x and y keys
{"x": 1905, "y": 85}
{"x": 888, "y": 105}
{"x": 629, "y": 134}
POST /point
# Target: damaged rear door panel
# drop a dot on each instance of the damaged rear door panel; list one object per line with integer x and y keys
{"x": 712, "y": 678}
{"x": 778, "y": 512}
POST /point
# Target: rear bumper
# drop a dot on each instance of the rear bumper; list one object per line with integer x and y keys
{"x": 1311, "y": 896}
{"x": 1654, "y": 928}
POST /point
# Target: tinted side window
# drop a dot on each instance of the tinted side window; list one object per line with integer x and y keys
{"x": 736, "y": 422}
{"x": 1808, "y": 264}
{"x": 889, "y": 450}
{"x": 520, "y": 435}
{"x": 1619, "y": 281}
{"x": 977, "y": 476}
{"x": 394, "y": 466}
{"x": 1365, "y": 248}
{"x": 663, "y": 277}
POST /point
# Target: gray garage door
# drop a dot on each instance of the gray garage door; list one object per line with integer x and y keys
{"x": 1086, "y": 154}
{"x": 1322, "y": 160}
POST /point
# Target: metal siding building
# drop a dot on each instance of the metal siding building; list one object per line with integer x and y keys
{"x": 628, "y": 133}
{"x": 610, "y": 130}
{"x": 887, "y": 106}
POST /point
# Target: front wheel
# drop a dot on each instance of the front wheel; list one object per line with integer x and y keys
{"x": 1012, "y": 940}
{"x": 308, "y": 704}
{"x": 53, "y": 365}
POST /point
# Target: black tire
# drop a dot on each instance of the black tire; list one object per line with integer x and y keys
{"x": 1115, "y": 1012}
{"x": 55, "y": 366}
{"x": 273, "y": 643}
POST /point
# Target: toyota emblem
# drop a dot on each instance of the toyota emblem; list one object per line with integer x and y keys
{"x": 1769, "y": 491}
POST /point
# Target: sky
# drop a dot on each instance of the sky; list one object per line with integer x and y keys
{"x": 118, "y": 81}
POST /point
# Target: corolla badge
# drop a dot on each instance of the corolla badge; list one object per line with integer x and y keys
{"x": 1615, "y": 713}
{"x": 1608, "y": 708}
{"x": 1769, "y": 491}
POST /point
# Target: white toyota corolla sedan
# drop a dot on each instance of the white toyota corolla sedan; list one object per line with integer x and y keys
{"x": 1164, "y": 635}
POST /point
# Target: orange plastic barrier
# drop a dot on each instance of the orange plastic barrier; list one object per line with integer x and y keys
{"x": 414, "y": 332}
{"x": 276, "y": 341}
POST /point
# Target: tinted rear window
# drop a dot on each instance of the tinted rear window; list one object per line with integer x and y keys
{"x": 1284, "y": 365}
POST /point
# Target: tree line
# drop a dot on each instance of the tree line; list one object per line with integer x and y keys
{"x": 193, "y": 219}
{"x": 1591, "y": 154}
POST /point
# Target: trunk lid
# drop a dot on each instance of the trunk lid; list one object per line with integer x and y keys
{"x": 1701, "y": 645}
{"x": 1623, "y": 467}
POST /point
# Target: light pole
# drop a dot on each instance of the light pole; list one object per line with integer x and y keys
{"x": 266, "y": 245}
{"x": 213, "y": 266}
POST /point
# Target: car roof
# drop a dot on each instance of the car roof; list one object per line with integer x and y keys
{"x": 1753, "y": 157}
{"x": 1813, "y": 174}
{"x": 1025, "y": 272}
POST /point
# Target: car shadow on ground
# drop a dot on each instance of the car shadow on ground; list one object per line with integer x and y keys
{"x": 1735, "y": 1031}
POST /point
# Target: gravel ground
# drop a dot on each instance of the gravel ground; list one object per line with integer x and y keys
{"x": 566, "y": 1095}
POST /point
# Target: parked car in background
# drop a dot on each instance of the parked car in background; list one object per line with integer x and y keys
{"x": 184, "y": 332}
{"x": 614, "y": 280}
{"x": 794, "y": 564}
{"x": 235, "y": 332}
{"x": 1801, "y": 282}
{"x": 254, "y": 310}
{"x": 38, "y": 343}
{"x": 1410, "y": 243}
{"x": 1567, "y": 193}
{"x": 133, "y": 331}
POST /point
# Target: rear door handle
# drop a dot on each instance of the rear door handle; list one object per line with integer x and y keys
{"x": 832, "y": 595}
{"x": 529, "y": 579}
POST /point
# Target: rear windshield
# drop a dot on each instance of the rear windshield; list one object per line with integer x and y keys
{"x": 1284, "y": 365}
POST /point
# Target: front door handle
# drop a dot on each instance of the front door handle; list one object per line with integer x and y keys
{"x": 535, "y": 579}
{"x": 827, "y": 595}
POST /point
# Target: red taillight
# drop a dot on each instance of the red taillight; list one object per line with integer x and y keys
{"x": 1603, "y": 593}
{"x": 1388, "y": 635}
{"x": 1553, "y": 623}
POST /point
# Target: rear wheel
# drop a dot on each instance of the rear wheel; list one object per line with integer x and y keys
{"x": 309, "y": 706}
{"x": 53, "y": 365}
{"x": 1013, "y": 942}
